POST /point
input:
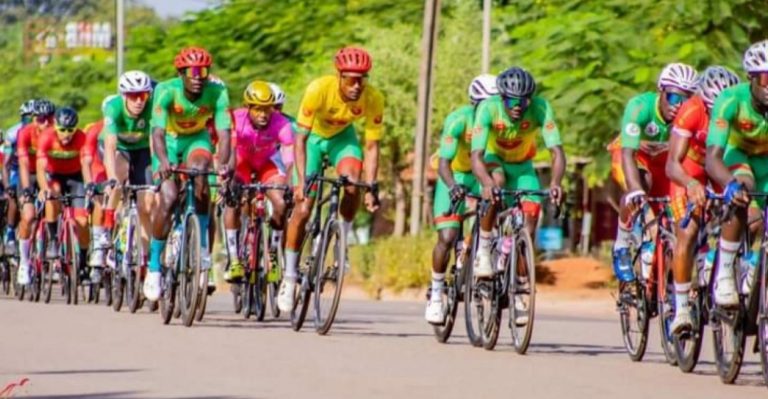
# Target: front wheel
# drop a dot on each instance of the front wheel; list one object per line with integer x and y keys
{"x": 329, "y": 277}
{"x": 168, "y": 297}
{"x": 666, "y": 305}
{"x": 522, "y": 293}
{"x": 451, "y": 300}
{"x": 190, "y": 271}
{"x": 634, "y": 316}
{"x": 303, "y": 292}
{"x": 688, "y": 344}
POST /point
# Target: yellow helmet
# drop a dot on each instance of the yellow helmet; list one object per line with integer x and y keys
{"x": 258, "y": 92}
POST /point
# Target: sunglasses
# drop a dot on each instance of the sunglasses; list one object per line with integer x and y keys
{"x": 138, "y": 96}
{"x": 512, "y": 102}
{"x": 347, "y": 80}
{"x": 196, "y": 72}
{"x": 675, "y": 99}
{"x": 761, "y": 78}
{"x": 260, "y": 109}
{"x": 42, "y": 118}
{"x": 65, "y": 130}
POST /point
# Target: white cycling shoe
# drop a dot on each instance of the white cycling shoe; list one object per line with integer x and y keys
{"x": 435, "y": 312}
{"x": 682, "y": 321}
{"x": 285, "y": 296}
{"x": 725, "y": 292}
{"x": 152, "y": 286}
{"x": 22, "y": 278}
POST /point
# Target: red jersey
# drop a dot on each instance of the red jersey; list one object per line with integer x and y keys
{"x": 62, "y": 159}
{"x": 692, "y": 122}
{"x": 91, "y": 148}
{"x": 27, "y": 144}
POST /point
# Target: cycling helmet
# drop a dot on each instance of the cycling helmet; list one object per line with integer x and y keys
{"x": 482, "y": 87}
{"x": 678, "y": 75}
{"x": 353, "y": 59}
{"x": 134, "y": 82}
{"x": 66, "y": 118}
{"x": 714, "y": 80}
{"x": 278, "y": 92}
{"x": 756, "y": 57}
{"x": 28, "y": 108}
{"x": 193, "y": 57}
{"x": 258, "y": 92}
{"x": 515, "y": 82}
{"x": 44, "y": 108}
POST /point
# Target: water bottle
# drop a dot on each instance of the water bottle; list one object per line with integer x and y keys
{"x": 646, "y": 258}
{"x": 505, "y": 249}
{"x": 748, "y": 266}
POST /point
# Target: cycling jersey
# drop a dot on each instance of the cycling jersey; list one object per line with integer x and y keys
{"x": 456, "y": 139}
{"x": 324, "y": 112}
{"x": 132, "y": 133}
{"x": 178, "y": 116}
{"x": 692, "y": 122}
{"x": 257, "y": 147}
{"x": 513, "y": 141}
{"x": 26, "y": 146}
{"x": 61, "y": 159}
{"x": 9, "y": 145}
{"x": 94, "y": 147}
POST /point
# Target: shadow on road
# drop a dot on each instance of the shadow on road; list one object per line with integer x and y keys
{"x": 95, "y": 371}
{"x": 576, "y": 349}
{"x": 124, "y": 395}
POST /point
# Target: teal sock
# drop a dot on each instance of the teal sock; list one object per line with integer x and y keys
{"x": 155, "y": 249}
{"x": 204, "y": 220}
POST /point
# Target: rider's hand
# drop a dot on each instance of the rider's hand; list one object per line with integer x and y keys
{"x": 490, "y": 193}
{"x": 697, "y": 193}
{"x": 90, "y": 188}
{"x": 225, "y": 172}
{"x": 635, "y": 200}
{"x": 28, "y": 193}
{"x": 371, "y": 204}
{"x": 735, "y": 194}
{"x": 164, "y": 169}
{"x": 457, "y": 192}
{"x": 298, "y": 192}
{"x": 556, "y": 194}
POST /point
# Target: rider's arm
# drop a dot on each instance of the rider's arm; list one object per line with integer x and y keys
{"x": 44, "y": 145}
{"x": 86, "y": 159}
{"x": 683, "y": 129}
{"x": 480, "y": 137}
{"x": 634, "y": 117}
{"x": 111, "y": 130}
{"x": 222, "y": 119}
{"x": 453, "y": 128}
{"x": 310, "y": 104}
{"x": 161, "y": 102}
{"x": 285, "y": 136}
{"x": 723, "y": 112}
{"x": 552, "y": 139}
{"x": 300, "y": 156}
{"x": 23, "y": 152}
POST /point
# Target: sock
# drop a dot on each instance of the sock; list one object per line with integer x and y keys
{"x": 485, "y": 240}
{"x": 291, "y": 265}
{"x": 623, "y": 237}
{"x": 51, "y": 226}
{"x": 10, "y": 232}
{"x": 24, "y": 251}
{"x": 681, "y": 295}
{"x": 155, "y": 249}
{"x": 232, "y": 243}
{"x": 204, "y": 220}
{"x": 438, "y": 280}
{"x": 726, "y": 257}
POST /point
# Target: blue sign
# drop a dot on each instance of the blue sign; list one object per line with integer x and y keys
{"x": 550, "y": 238}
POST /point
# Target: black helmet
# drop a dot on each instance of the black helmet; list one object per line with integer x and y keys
{"x": 516, "y": 82}
{"x": 28, "y": 108}
{"x": 44, "y": 108}
{"x": 66, "y": 118}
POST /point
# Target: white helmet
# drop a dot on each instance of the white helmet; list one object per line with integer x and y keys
{"x": 756, "y": 57}
{"x": 713, "y": 80}
{"x": 482, "y": 87}
{"x": 278, "y": 92}
{"x": 680, "y": 76}
{"x": 134, "y": 82}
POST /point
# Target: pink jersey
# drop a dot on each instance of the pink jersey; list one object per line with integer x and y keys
{"x": 257, "y": 147}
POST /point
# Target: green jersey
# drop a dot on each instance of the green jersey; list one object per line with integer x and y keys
{"x": 643, "y": 126}
{"x": 456, "y": 138}
{"x": 513, "y": 141}
{"x": 172, "y": 111}
{"x": 132, "y": 132}
{"x": 736, "y": 123}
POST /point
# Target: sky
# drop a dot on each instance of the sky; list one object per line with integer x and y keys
{"x": 176, "y": 8}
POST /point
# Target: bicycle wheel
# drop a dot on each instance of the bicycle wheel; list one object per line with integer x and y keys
{"x": 666, "y": 304}
{"x": 256, "y": 288}
{"x": 47, "y": 281}
{"x": 168, "y": 297}
{"x": 132, "y": 258}
{"x": 451, "y": 300}
{"x": 237, "y": 296}
{"x": 73, "y": 261}
{"x": 470, "y": 297}
{"x": 728, "y": 339}
{"x": 688, "y": 344}
{"x": 189, "y": 275}
{"x": 329, "y": 276}
{"x": 274, "y": 279}
{"x": 261, "y": 272}
{"x": 106, "y": 284}
{"x": 522, "y": 293}
{"x": 118, "y": 290}
{"x": 762, "y": 319}
{"x": 303, "y": 293}
{"x": 5, "y": 276}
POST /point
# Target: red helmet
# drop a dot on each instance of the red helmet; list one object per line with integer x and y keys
{"x": 192, "y": 57}
{"x": 353, "y": 59}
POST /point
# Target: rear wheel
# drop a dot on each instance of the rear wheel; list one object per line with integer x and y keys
{"x": 118, "y": 291}
{"x": 73, "y": 256}
{"x": 451, "y": 302}
{"x": 168, "y": 297}
{"x": 5, "y": 275}
{"x": 274, "y": 278}
{"x": 688, "y": 344}
{"x": 728, "y": 338}
{"x": 329, "y": 277}
{"x": 522, "y": 293}
{"x": 666, "y": 304}
{"x": 471, "y": 298}
{"x": 47, "y": 281}
{"x": 762, "y": 317}
{"x": 189, "y": 276}
{"x": 303, "y": 292}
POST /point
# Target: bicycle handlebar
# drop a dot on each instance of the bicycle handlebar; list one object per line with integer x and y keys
{"x": 691, "y": 207}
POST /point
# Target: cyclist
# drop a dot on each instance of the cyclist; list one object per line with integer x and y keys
{"x": 326, "y": 119}
{"x": 455, "y": 170}
{"x": 26, "y": 149}
{"x": 62, "y": 170}
{"x": 11, "y": 173}
{"x": 737, "y": 159}
{"x": 181, "y": 108}
{"x": 639, "y": 156}
{"x": 127, "y": 156}
{"x": 685, "y": 168}
{"x": 258, "y": 132}
{"x": 503, "y": 146}
{"x": 286, "y": 152}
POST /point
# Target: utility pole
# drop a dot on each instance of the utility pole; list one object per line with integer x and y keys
{"x": 120, "y": 47}
{"x": 431, "y": 9}
{"x": 486, "y": 36}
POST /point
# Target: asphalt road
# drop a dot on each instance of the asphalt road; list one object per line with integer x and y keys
{"x": 375, "y": 350}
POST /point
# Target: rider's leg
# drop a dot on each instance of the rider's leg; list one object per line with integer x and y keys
{"x": 52, "y": 211}
{"x": 447, "y": 226}
{"x": 232, "y": 224}
{"x": 622, "y": 262}
{"x": 25, "y": 239}
{"x": 483, "y": 267}
{"x": 730, "y": 240}
{"x": 73, "y": 185}
{"x": 199, "y": 157}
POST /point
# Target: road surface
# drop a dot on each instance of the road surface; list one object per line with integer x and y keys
{"x": 376, "y": 350}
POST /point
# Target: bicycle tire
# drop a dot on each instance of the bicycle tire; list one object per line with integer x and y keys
{"x": 333, "y": 273}
{"x": 451, "y": 300}
{"x": 303, "y": 292}
{"x": 273, "y": 288}
{"x": 106, "y": 284}
{"x": 74, "y": 264}
{"x": 473, "y": 334}
{"x": 5, "y": 276}
{"x": 48, "y": 268}
{"x": 168, "y": 296}
{"x": 261, "y": 272}
{"x": 118, "y": 291}
{"x": 521, "y": 335}
{"x": 189, "y": 275}
{"x": 133, "y": 243}
{"x": 762, "y": 318}
{"x": 688, "y": 347}
{"x": 666, "y": 304}
{"x": 728, "y": 367}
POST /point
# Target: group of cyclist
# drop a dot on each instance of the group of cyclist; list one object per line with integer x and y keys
{"x": 697, "y": 133}
{"x": 149, "y": 130}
